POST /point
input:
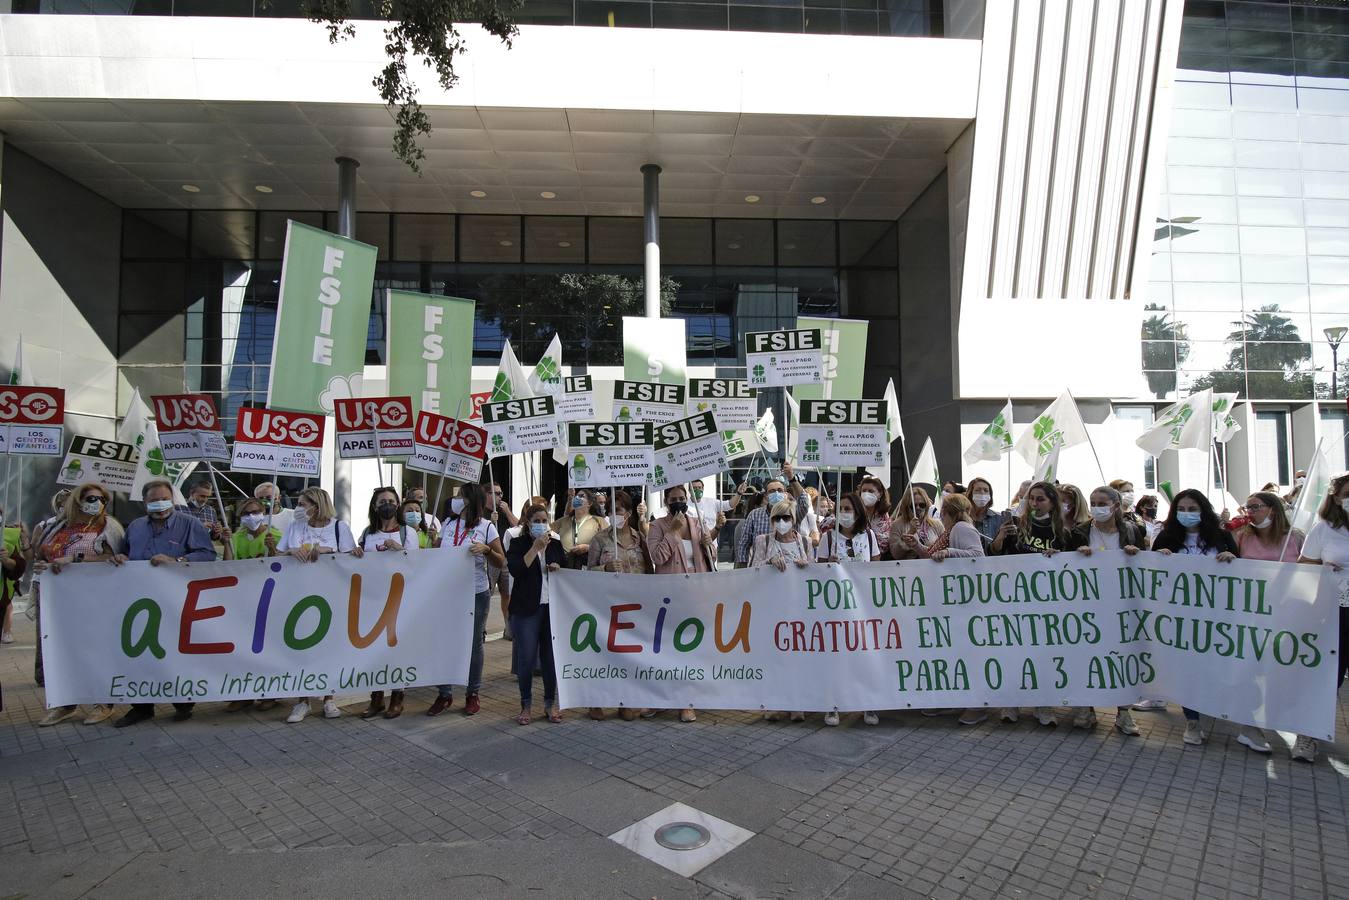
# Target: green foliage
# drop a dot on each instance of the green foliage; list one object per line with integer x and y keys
{"x": 1269, "y": 360}
{"x": 422, "y": 28}
{"x": 1160, "y": 335}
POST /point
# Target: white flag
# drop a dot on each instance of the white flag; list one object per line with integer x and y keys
{"x": 1314, "y": 490}
{"x": 139, "y": 430}
{"x": 925, "y": 469}
{"x": 1047, "y": 469}
{"x": 894, "y": 429}
{"x": 1225, "y": 425}
{"x": 793, "y": 426}
{"x": 1060, "y": 422}
{"x": 766, "y": 430}
{"x": 16, "y": 374}
{"x": 547, "y": 375}
{"x": 1187, "y": 425}
{"x": 511, "y": 383}
{"x": 995, "y": 440}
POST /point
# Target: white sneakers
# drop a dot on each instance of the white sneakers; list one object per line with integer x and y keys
{"x": 973, "y": 716}
{"x": 1254, "y": 738}
{"x": 831, "y": 718}
{"x": 1149, "y": 705}
{"x": 57, "y": 715}
{"x": 1009, "y": 714}
{"x": 330, "y": 710}
{"x": 1084, "y": 717}
{"x": 870, "y": 718}
{"x": 100, "y": 713}
{"x": 298, "y": 712}
{"x": 1194, "y": 733}
{"x": 1045, "y": 715}
{"x": 1304, "y": 749}
{"x": 6, "y": 637}
{"x": 1124, "y": 721}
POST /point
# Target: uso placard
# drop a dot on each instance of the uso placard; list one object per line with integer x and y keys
{"x": 447, "y": 447}
{"x": 371, "y": 427}
{"x": 269, "y": 441}
{"x": 32, "y": 420}
{"x": 189, "y": 428}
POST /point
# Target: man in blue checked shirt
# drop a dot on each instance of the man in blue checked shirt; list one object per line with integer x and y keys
{"x": 163, "y": 536}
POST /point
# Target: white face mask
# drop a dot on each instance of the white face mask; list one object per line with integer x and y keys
{"x": 301, "y": 513}
{"x": 1127, "y": 499}
{"x": 1067, "y": 510}
{"x": 91, "y": 507}
{"x": 1268, "y": 521}
{"x": 1344, "y": 504}
{"x": 846, "y": 519}
{"x": 537, "y": 530}
{"x": 1300, "y": 481}
{"x": 981, "y": 499}
{"x": 158, "y": 506}
{"x": 1101, "y": 513}
{"x": 782, "y": 527}
{"x": 457, "y": 506}
{"x": 618, "y": 520}
{"x": 869, "y": 498}
{"x": 253, "y": 521}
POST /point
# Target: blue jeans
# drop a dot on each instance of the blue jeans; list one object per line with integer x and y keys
{"x": 534, "y": 638}
{"x": 480, "y": 603}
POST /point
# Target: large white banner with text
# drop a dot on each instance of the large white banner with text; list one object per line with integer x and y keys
{"x": 1253, "y": 642}
{"x": 256, "y": 628}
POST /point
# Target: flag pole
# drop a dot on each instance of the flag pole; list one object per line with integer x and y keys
{"x": 1008, "y": 450}
{"x": 445, "y": 467}
{"x": 219, "y": 501}
{"x": 1302, "y": 496}
{"x": 1099, "y": 468}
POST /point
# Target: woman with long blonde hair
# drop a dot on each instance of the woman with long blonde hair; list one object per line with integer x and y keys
{"x": 912, "y": 527}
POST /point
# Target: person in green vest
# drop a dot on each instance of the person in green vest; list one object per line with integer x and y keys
{"x": 254, "y": 539}
{"x": 13, "y": 561}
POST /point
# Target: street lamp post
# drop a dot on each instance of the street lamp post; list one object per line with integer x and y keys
{"x": 1334, "y": 335}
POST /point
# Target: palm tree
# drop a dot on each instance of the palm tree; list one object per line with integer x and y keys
{"x": 1164, "y": 348}
{"x": 1268, "y": 361}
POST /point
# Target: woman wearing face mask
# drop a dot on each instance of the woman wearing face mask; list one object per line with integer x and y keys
{"x": 386, "y": 532}
{"x": 252, "y": 540}
{"x": 783, "y": 544}
{"x": 82, "y": 532}
{"x": 1192, "y": 528}
{"x": 316, "y": 531}
{"x": 951, "y": 487}
{"x": 912, "y": 529}
{"x": 531, "y": 556}
{"x": 851, "y": 537}
{"x": 876, "y": 501}
{"x": 579, "y": 527}
{"x": 959, "y": 539}
{"x": 1109, "y": 530}
{"x": 1146, "y": 508}
{"x": 985, "y": 520}
{"x": 469, "y": 526}
{"x": 1075, "y": 507}
{"x": 1327, "y": 544}
{"x": 1039, "y": 529}
{"x": 622, "y": 548}
{"x": 1127, "y": 499}
{"x": 413, "y": 516}
{"x": 678, "y": 545}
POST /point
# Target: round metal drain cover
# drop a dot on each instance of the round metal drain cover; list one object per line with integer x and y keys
{"x": 682, "y": 836}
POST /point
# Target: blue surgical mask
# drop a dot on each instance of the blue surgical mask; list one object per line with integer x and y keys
{"x": 537, "y": 530}
{"x": 159, "y": 506}
{"x": 412, "y": 518}
{"x": 776, "y": 497}
{"x": 1188, "y": 519}
{"x": 577, "y": 502}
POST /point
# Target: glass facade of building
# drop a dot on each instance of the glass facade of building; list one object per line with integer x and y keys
{"x": 913, "y": 18}
{"x": 202, "y": 285}
{"x": 1251, "y": 259}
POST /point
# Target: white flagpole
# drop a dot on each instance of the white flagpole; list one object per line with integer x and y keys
{"x": 1008, "y": 452}
{"x": 1099, "y": 468}
{"x": 219, "y": 501}
{"x": 445, "y": 468}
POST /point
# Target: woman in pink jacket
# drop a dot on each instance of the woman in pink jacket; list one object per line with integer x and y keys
{"x": 678, "y": 545}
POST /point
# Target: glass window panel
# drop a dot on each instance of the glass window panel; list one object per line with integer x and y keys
{"x": 1326, "y": 212}
{"x": 1255, "y": 239}
{"x": 1199, "y": 180}
{"x": 1325, "y": 129}
{"x": 1241, "y": 42}
{"x": 1205, "y": 13}
{"x": 1264, "y": 16}
{"x": 758, "y": 18}
{"x": 1265, "y": 126}
{"x": 489, "y": 238}
{"x": 616, "y": 241}
{"x": 555, "y": 239}
{"x": 1269, "y": 211}
{"x": 1322, "y": 101}
{"x": 1268, "y": 183}
{"x": 861, "y": 22}
{"x": 1189, "y": 151}
{"x": 1321, "y": 20}
{"x": 1213, "y": 208}
{"x": 1329, "y": 299}
{"x": 1291, "y": 269}
{"x": 1203, "y": 123}
{"x": 686, "y": 242}
{"x": 545, "y": 12}
{"x": 154, "y": 233}
{"x": 806, "y": 243}
{"x": 1327, "y": 157}
{"x": 744, "y": 242}
{"x": 1161, "y": 265}
{"x": 425, "y": 237}
{"x": 1321, "y": 46}
{"x": 1328, "y": 241}
{"x": 272, "y": 229}
{"x": 1267, "y": 154}
{"x": 611, "y": 14}
{"x": 1289, "y": 297}
{"x": 1265, "y": 97}
{"x": 868, "y": 244}
{"x": 222, "y": 233}
{"x": 1201, "y": 237}
{"x": 373, "y": 228}
{"x": 1203, "y": 40}
{"x": 1328, "y": 269}
{"x": 1198, "y": 295}
{"x": 1202, "y": 95}
{"x": 1319, "y": 73}
{"x": 1206, "y": 267}
{"x": 1212, "y": 325}
{"x": 690, "y": 15}
{"x": 1210, "y": 355}
{"x": 1328, "y": 185}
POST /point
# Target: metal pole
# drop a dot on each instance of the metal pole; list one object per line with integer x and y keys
{"x": 651, "y": 237}
{"x": 219, "y": 501}
{"x": 1334, "y": 371}
{"x": 440, "y": 484}
{"x": 346, "y": 227}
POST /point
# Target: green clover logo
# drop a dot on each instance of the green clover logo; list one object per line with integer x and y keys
{"x": 812, "y": 445}
{"x": 758, "y": 371}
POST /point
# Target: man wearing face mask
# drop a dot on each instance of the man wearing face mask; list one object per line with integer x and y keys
{"x": 758, "y": 522}
{"x": 200, "y": 507}
{"x": 270, "y": 497}
{"x": 163, "y": 536}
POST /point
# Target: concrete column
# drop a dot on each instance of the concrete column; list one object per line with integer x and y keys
{"x": 346, "y": 227}
{"x": 651, "y": 237}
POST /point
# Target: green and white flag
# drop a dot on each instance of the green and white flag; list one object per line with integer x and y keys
{"x": 546, "y": 378}
{"x": 894, "y": 430}
{"x": 430, "y": 351}
{"x": 1047, "y": 469}
{"x": 845, "y": 359}
{"x": 766, "y": 430}
{"x": 654, "y": 350}
{"x": 322, "y": 320}
{"x": 511, "y": 383}
{"x": 1314, "y": 490}
{"x": 737, "y": 444}
{"x": 793, "y": 429}
{"x": 995, "y": 440}
{"x": 140, "y": 431}
{"x": 1187, "y": 425}
{"x": 1061, "y": 422}
{"x": 925, "y": 469}
{"x": 1225, "y": 425}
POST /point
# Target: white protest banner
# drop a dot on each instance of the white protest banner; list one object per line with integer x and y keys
{"x": 780, "y": 358}
{"x": 736, "y": 444}
{"x": 366, "y": 421}
{"x": 731, "y": 400}
{"x": 32, "y": 420}
{"x": 272, "y": 442}
{"x": 688, "y": 449}
{"x": 577, "y": 400}
{"x": 108, "y": 463}
{"x": 273, "y": 627}
{"x": 520, "y": 426}
{"x": 1253, "y": 642}
{"x": 642, "y": 401}
{"x": 603, "y": 454}
{"x": 446, "y": 447}
{"x": 189, "y": 428}
{"x": 842, "y": 433}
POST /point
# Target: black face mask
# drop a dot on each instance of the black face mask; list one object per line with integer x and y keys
{"x": 677, "y": 507}
{"x": 387, "y": 510}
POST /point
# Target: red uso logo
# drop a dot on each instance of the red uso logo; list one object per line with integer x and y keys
{"x": 365, "y": 413}
{"x": 470, "y": 440}
{"x": 32, "y": 405}
{"x": 185, "y": 412}
{"x": 265, "y": 426}
{"x": 431, "y": 429}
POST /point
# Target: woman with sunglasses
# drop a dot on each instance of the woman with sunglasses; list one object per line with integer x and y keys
{"x": 83, "y": 532}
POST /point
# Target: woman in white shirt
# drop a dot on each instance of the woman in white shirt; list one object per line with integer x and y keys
{"x": 784, "y": 543}
{"x": 313, "y": 532}
{"x": 1327, "y": 544}
{"x": 385, "y": 533}
{"x": 851, "y": 537}
{"x": 468, "y": 526}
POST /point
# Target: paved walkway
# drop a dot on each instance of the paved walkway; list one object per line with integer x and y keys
{"x": 244, "y": 805}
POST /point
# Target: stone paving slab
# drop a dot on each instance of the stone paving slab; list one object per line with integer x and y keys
{"x": 243, "y": 804}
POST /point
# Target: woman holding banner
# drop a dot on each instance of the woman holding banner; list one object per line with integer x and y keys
{"x": 622, "y": 548}
{"x": 386, "y": 532}
{"x": 254, "y": 539}
{"x": 413, "y": 515}
{"x": 959, "y": 539}
{"x": 983, "y": 517}
{"x": 876, "y": 501}
{"x": 913, "y": 529}
{"x": 851, "y": 537}
{"x": 579, "y": 527}
{"x": 1193, "y": 528}
{"x": 313, "y": 532}
{"x": 678, "y": 545}
{"x": 82, "y": 532}
{"x": 785, "y": 543}
{"x": 469, "y": 526}
{"x": 533, "y": 554}
{"x": 1327, "y": 544}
